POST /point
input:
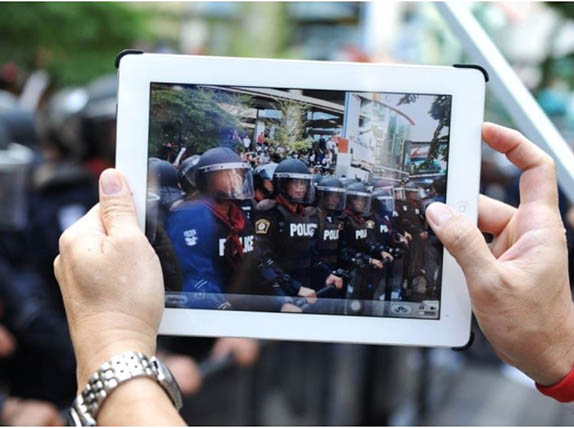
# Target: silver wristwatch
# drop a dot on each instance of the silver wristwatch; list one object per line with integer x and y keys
{"x": 116, "y": 371}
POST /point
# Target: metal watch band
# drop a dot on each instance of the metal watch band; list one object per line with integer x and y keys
{"x": 116, "y": 371}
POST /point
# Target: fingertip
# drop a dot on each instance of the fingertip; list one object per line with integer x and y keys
{"x": 490, "y": 131}
{"x": 438, "y": 214}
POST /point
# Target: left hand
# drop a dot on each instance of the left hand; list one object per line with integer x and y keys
{"x": 111, "y": 280}
{"x": 245, "y": 351}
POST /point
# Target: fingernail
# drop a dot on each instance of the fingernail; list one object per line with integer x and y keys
{"x": 439, "y": 213}
{"x": 111, "y": 182}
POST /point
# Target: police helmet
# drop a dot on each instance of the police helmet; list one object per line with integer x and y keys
{"x": 331, "y": 194}
{"x": 415, "y": 193}
{"x": 222, "y": 174}
{"x": 262, "y": 174}
{"x": 400, "y": 193}
{"x": 383, "y": 200}
{"x": 187, "y": 174}
{"x": 163, "y": 181}
{"x": 358, "y": 198}
{"x": 293, "y": 180}
{"x": 60, "y": 122}
{"x": 99, "y": 117}
{"x": 381, "y": 182}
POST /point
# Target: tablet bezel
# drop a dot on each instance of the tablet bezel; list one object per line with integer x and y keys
{"x": 467, "y": 87}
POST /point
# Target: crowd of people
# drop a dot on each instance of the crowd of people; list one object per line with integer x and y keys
{"x": 234, "y": 224}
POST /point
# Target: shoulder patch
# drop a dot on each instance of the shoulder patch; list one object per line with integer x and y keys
{"x": 262, "y": 226}
{"x": 265, "y": 205}
{"x": 370, "y": 224}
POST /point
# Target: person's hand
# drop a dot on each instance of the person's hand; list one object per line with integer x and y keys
{"x": 245, "y": 351}
{"x": 7, "y": 342}
{"x": 110, "y": 279}
{"x": 519, "y": 283}
{"x": 335, "y": 280}
{"x": 423, "y": 235}
{"x": 185, "y": 371}
{"x": 290, "y": 307}
{"x": 408, "y": 237}
{"x": 308, "y": 293}
{"x": 376, "y": 263}
{"x": 387, "y": 257}
{"x": 18, "y": 412}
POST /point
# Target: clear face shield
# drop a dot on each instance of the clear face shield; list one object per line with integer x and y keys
{"x": 296, "y": 187}
{"x": 15, "y": 163}
{"x": 386, "y": 191}
{"x": 331, "y": 198}
{"x": 359, "y": 202}
{"x": 385, "y": 204}
{"x": 229, "y": 181}
{"x": 400, "y": 194}
{"x": 413, "y": 194}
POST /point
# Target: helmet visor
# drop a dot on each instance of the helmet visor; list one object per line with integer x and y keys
{"x": 386, "y": 204}
{"x": 229, "y": 181}
{"x": 400, "y": 193}
{"x": 359, "y": 202}
{"x": 331, "y": 198}
{"x": 295, "y": 187}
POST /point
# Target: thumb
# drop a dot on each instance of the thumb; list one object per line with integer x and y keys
{"x": 116, "y": 204}
{"x": 461, "y": 238}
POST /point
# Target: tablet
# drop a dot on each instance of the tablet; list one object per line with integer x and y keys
{"x": 286, "y": 199}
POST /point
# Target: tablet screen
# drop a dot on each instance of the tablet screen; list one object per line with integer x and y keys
{"x": 297, "y": 200}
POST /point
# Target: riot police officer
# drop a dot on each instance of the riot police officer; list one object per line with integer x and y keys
{"x": 284, "y": 235}
{"x": 163, "y": 182}
{"x": 263, "y": 181}
{"x": 386, "y": 234}
{"x": 358, "y": 253}
{"x": 186, "y": 177}
{"x": 211, "y": 235}
{"x": 330, "y": 196}
{"x": 433, "y": 247}
{"x": 414, "y": 223}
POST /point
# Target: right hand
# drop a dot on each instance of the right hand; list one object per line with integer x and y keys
{"x": 376, "y": 263}
{"x": 308, "y": 293}
{"x": 185, "y": 371}
{"x": 7, "y": 342}
{"x": 111, "y": 280}
{"x": 334, "y": 280}
{"x": 518, "y": 284}
{"x": 30, "y": 413}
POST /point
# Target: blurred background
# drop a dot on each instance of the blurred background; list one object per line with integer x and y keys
{"x": 57, "y": 133}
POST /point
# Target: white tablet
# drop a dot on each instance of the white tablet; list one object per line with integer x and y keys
{"x": 286, "y": 198}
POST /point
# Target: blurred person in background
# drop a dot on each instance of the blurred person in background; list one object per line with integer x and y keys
{"x": 31, "y": 306}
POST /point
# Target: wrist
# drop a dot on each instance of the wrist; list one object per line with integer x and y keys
{"x": 101, "y": 339}
{"x": 561, "y": 357}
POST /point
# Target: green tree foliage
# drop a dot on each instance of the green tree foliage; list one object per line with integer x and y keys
{"x": 292, "y": 129}
{"x": 194, "y": 117}
{"x": 75, "y": 42}
{"x": 440, "y": 111}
